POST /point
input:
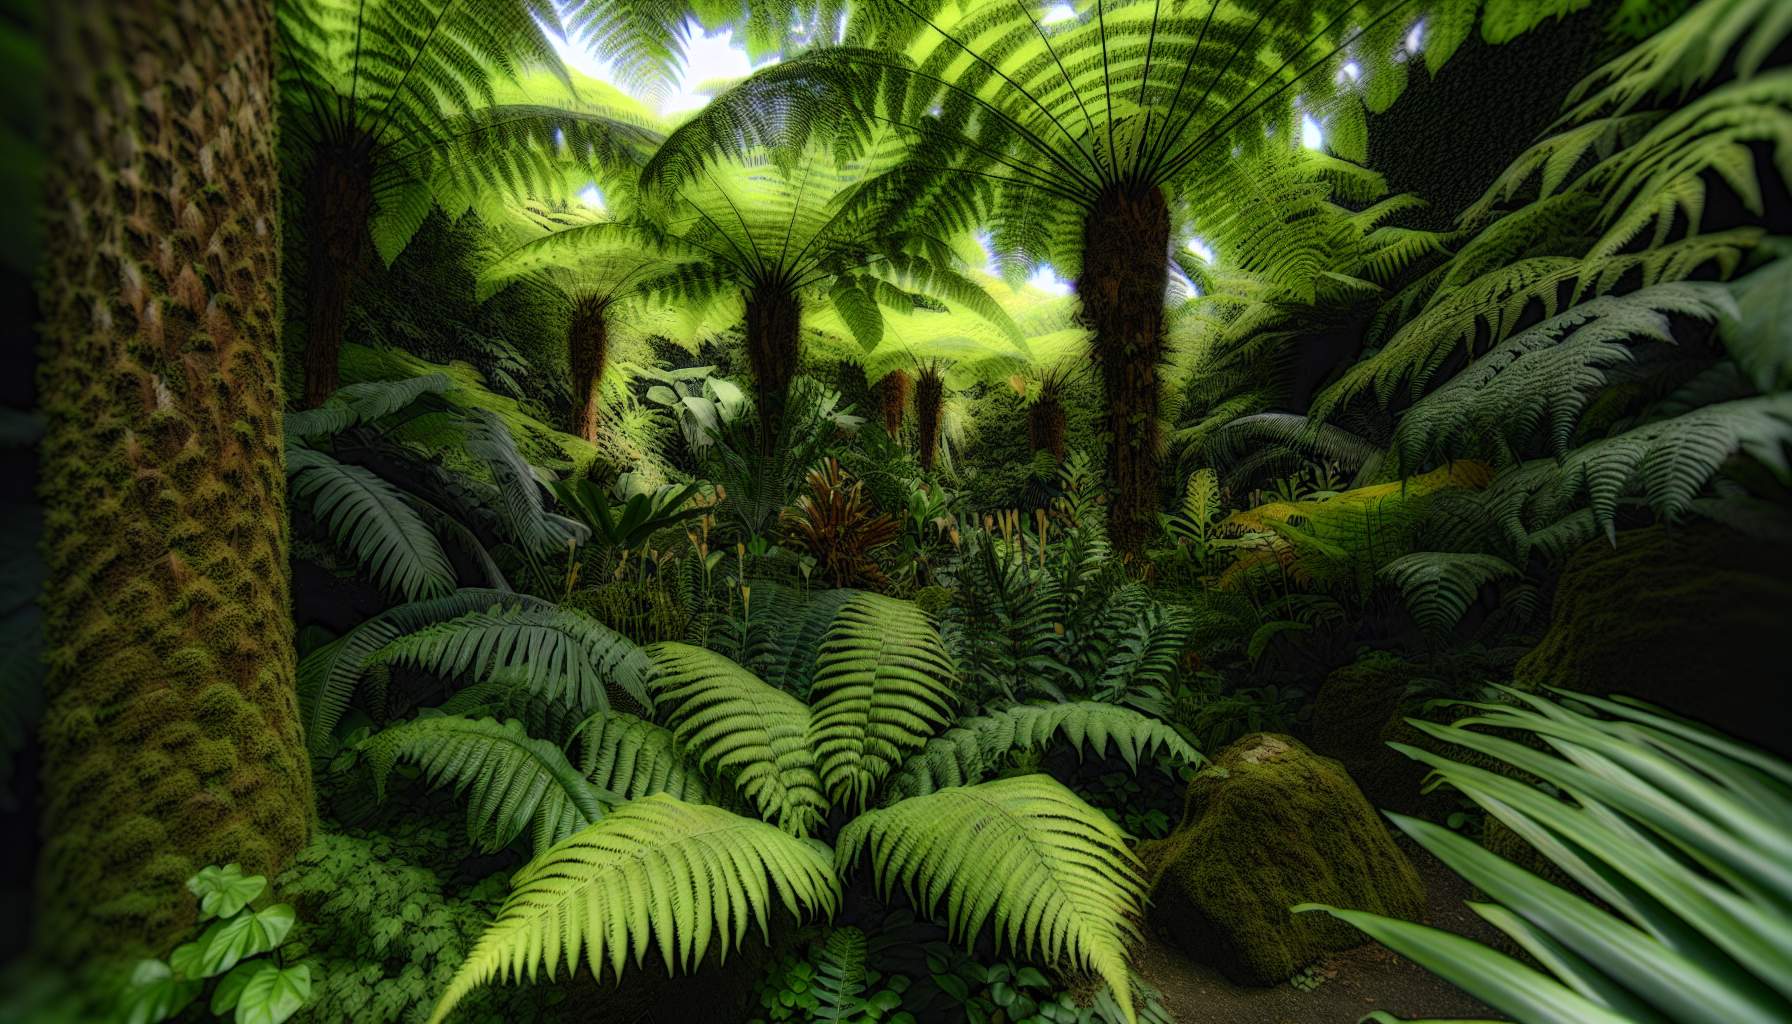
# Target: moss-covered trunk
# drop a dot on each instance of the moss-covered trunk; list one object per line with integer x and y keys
{"x": 338, "y": 201}
{"x": 171, "y": 738}
{"x": 773, "y": 319}
{"x": 587, "y": 349}
{"x": 892, "y": 399}
{"x": 1126, "y": 246}
{"x": 930, "y": 397}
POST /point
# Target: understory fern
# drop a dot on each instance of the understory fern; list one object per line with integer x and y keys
{"x": 1050, "y": 874}
{"x": 655, "y": 873}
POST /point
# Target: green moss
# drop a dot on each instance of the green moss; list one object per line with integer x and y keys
{"x": 1268, "y": 825}
{"x": 933, "y": 600}
{"x": 1687, "y": 617}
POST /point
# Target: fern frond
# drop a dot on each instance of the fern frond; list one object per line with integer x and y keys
{"x": 976, "y": 747}
{"x": 635, "y": 758}
{"x": 329, "y": 676}
{"x": 752, "y": 733}
{"x": 655, "y": 873}
{"x": 362, "y": 402}
{"x": 1050, "y": 874}
{"x": 1668, "y": 461}
{"x": 1439, "y": 586}
{"x": 883, "y": 684}
{"x": 370, "y": 519}
{"x": 1544, "y": 376}
{"x": 510, "y": 780}
{"x": 562, "y": 654}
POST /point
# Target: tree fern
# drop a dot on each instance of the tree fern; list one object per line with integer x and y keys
{"x": 1438, "y": 587}
{"x": 751, "y": 733}
{"x": 655, "y": 873}
{"x": 372, "y": 520}
{"x": 510, "y": 781}
{"x": 560, "y": 653}
{"x": 974, "y": 748}
{"x": 883, "y": 684}
{"x": 1050, "y": 874}
{"x": 635, "y": 758}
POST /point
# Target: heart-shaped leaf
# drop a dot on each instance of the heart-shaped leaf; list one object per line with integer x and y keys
{"x": 226, "y": 943}
{"x": 156, "y": 994}
{"x": 223, "y": 891}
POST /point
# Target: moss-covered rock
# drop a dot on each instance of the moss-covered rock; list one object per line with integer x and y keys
{"x": 1689, "y": 617}
{"x": 1357, "y": 711}
{"x": 1268, "y": 825}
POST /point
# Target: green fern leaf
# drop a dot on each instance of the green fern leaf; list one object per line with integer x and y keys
{"x": 1439, "y": 586}
{"x": 510, "y": 780}
{"x": 636, "y": 758}
{"x": 1051, "y": 874}
{"x": 883, "y": 684}
{"x": 329, "y": 676}
{"x": 656, "y": 873}
{"x": 974, "y": 748}
{"x": 753, "y": 734}
{"x": 561, "y": 654}
{"x": 371, "y": 519}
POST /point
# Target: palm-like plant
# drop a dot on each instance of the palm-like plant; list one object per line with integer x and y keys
{"x": 390, "y": 107}
{"x": 1075, "y": 138}
{"x": 778, "y": 233}
{"x": 597, "y": 263}
{"x": 670, "y": 871}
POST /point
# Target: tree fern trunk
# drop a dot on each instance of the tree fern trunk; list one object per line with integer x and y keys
{"x": 338, "y": 201}
{"x": 1046, "y": 426}
{"x": 588, "y": 344}
{"x": 774, "y": 317}
{"x": 930, "y": 396}
{"x": 892, "y": 399}
{"x": 171, "y": 737}
{"x": 1126, "y": 244}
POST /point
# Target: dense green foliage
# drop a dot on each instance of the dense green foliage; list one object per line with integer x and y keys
{"x": 815, "y": 609}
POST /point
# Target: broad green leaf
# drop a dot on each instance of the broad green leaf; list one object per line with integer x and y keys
{"x": 223, "y": 891}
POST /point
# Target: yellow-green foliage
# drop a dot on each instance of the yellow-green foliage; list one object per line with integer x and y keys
{"x": 171, "y": 736}
{"x": 883, "y": 683}
{"x": 657, "y": 871}
{"x": 752, "y": 733}
{"x": 1343, "y": 538}
{"x": 1269, "y": 825}
{"x": 1050, "y": 875}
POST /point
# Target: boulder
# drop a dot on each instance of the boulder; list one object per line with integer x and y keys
{"x": 1270, "y": 824}
{"x": 1688, "y": 617}
{"x": 1358, "y": 709}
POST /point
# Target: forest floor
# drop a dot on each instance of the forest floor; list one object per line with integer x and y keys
{"x": 1354, "y": 982}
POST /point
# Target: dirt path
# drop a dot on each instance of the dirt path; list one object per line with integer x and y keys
{"x": 1356, "y": 981}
